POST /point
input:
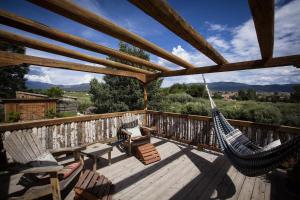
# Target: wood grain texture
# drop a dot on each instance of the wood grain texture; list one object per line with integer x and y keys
{"x": 245, "y": 65}
{"x": 46, "y": 62}
{"x": 31, "y": 26}
{"x": 161, "y": 11}
{"x": 72, "y": 11}
{"x": 51, "y": 48}
{"x": 263, "y": 17}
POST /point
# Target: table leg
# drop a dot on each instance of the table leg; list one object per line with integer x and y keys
{"x": 94, "y": 164}
{"x": 109, "y": 158}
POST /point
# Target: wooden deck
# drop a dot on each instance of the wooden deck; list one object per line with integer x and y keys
{"x": 183, "y": 173}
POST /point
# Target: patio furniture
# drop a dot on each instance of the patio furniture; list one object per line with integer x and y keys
{"x": 95, "y": 151}
{"x": 93, "y": 186}
{"x": 147, "y": 153}
{"x": 40, "y": 173}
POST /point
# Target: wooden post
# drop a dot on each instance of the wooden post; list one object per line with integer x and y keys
{"x": 145, "y": 103}
{"x": 55, "y": 186}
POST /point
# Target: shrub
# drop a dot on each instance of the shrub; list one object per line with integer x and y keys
{"x": 262, "y": 113}
{"x": 50, "y": 113}
{"x": 180, "y": 97}
{"x": 196, "y": 108}
{"x": 14, "y": 117}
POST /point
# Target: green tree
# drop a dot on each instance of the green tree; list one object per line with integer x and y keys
{"x": 178, "y": 88}
{"x": 295, "y": 96}
{"x": 123, "y": 93}
{"x": 12, "y": 77}
{"x": 196, "y": 90}
{"x": 249, "y": 94}
{"x": 54, "y": 92}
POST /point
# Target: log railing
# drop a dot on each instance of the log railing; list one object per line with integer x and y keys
{"x": 72, "y": 131}
{"x": 197, "y": 130}
{"x": 192, "y": 129}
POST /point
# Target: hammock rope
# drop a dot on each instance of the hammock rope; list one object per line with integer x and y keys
{"x": 249, "y": 158}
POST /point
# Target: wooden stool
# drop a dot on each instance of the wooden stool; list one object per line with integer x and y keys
{"x": 93, "y": 186}
{"x": 147, "y": 153}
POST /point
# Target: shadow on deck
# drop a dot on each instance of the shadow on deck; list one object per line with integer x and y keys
{"x": 183, "y": 173}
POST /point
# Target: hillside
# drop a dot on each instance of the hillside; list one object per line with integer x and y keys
{"x": 216, "y": 86}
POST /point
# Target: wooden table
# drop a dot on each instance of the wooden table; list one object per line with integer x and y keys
{"x": 95, "y": 151}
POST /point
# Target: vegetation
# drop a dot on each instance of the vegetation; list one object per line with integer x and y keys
{"x": 54, "y": 92}
{"x": 13, "y": 117}
{"x": 12, "y": 77}
{"x": 123, "y": 93}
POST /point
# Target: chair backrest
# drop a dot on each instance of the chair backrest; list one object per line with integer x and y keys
{"x": 26, "y": 147}
{"x": 129, "y": 121}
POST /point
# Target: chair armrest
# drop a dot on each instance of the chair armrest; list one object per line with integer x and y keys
{"x": 147, "y": 130}
{"x": 67, "y": 150}
{"x": 37, "y": 170}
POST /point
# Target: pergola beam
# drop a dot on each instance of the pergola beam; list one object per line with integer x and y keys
{"x": 161, "y": 11}
{"x": 51, "y": 48}
{"x": 72, "y": 11}
{"x": 263, "y": 17}
{"x": 52, "y": 63}
{"x": 31, "y": 26}
{"x": 253, "y": 64}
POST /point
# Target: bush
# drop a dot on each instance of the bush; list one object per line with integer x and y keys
{"x": 180, "y": 97}
{"x": 83, "y": 106}
{"x": 196, "y": 108}
{"x": 262, "y": 113}
{"x": 14, "y": 117}
{"x": 50, "y": 114}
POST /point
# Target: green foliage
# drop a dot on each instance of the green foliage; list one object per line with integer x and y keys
{"x": 178, "y": 88}
{"x": 14, "y": 117}
{"x": 196, "y": 108}
{"x": 54, "y": 92}
{"x": 179, "y": 97}
{"x": 66, "y": 114}
{"x": 249, "y": 94}
{"x": 51, "y": 113}
{"x": 12, "y": 77}
{"x": 123, "y": 93}
{"x": 196, "y": 90}
{"x": 295, "y": 96}
{"x": 217, "y": 95}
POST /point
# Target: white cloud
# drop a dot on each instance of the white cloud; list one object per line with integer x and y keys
{"x": 216, "y": 27}
{"x": 243, "y": 46}
{"x": 218, "y": 42}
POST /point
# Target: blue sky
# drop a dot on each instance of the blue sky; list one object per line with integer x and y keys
{"x": 227, "y": 25}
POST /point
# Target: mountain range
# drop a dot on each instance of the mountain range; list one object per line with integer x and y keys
{"x": 216, "y": 86}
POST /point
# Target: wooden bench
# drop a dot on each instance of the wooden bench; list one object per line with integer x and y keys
{"x": 93, "y": 186}
{"x": 147, "y": 153}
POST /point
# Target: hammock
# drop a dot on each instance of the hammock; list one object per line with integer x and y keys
{"x": 247, "y": 157}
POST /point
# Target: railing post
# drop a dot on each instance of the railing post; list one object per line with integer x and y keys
{"x": 145, "y": 102}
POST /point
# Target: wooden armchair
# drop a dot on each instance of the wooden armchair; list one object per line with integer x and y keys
{"x": 38, "y": 172}
{"x": 131, "y": 140}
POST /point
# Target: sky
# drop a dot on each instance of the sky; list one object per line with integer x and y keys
{"x": 226, "y": 24}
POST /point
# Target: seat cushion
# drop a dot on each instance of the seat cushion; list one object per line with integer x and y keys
{"x": 135, "y": 131}
{"x": 69, "y": 169}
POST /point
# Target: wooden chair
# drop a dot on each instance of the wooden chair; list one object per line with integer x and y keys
{"x": 39, "y": 174}
{"x": 131, "y": 121}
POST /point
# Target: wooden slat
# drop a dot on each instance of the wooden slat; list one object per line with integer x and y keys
{"x": 46, "y": 62}
{"x": 263, "y": 17}
{"x": 72, "y": 11}
{"x": 31, "y": 26}
{"x": 166, "y": 15}
{"x": 245, "y": 65}
{"x": 51, "y": 48}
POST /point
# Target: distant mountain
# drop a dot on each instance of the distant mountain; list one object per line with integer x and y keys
{"x": 43, "y": 86}
{"x": 216, "y": 86}
{"x": 232, "y": 86}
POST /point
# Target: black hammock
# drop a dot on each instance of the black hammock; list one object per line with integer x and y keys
{"x": 245, "y": 156}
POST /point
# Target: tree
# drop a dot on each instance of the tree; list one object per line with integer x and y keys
{"x": 178, "y": 88}
{"x": 12, "y": 77}
{"x": 54, "y": 92}
{"x": 196, "y": 90}
{"x": 123, "y": 93}
{"x": 249, "y": 94}
{"x": 295, "y": 96}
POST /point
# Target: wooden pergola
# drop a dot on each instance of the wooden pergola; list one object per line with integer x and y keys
{"x": 160, "y": 10}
